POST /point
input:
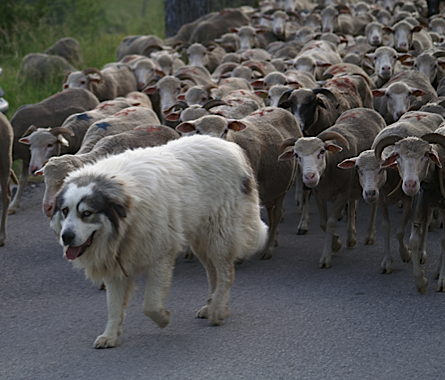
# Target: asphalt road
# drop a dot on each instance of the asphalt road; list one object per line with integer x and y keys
{"x": 288, "y": 319}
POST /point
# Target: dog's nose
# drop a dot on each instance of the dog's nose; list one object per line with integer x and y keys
{"x": 68, "y": 237}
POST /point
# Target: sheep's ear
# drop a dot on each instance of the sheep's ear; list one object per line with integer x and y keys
{"x": 181, "y": 97}
{"x": 66, "y": 86}
{"x": 39, "y": 172}
{"x": 186, "y": 127}
{"x": 333, "y": 148}
{"x": 94, "y": 77}
{"x": 377, "y": 93}
{"x": 390, "y": 160}
{"x": 63, "y": 140}
{"x": 25, "y": 140}
{"x": 173, "y": 116}
{"x": 287, "y": 155}
{"x": 150, "y": 90}
{"x": 433, "y": 156}
{"x": 261, "y": 93}
{"x": 417, "y": 28}
{"x": 320, "y": 102}
{"x": 417, "y": 91}
{"x": 236, "y": 126}
{"x": 321, "y": 63}
{"x": 403, "y": 56}
{"x": 387, "y": 29}
{"x": 258, "y": 83}
{"x": 348, "y": 163}
{"x": 31, "y": 129}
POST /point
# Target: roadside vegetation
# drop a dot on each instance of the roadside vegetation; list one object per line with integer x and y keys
{"x": 32, "y": 26}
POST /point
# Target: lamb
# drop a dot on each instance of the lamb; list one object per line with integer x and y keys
{"x": 141, "y": 45}
{"x": 384, "y": 61}
{"x": 7, "y": 136}
{"x": 355, "y": 130}
{"x": 408, "y": 90}
{"x": 260, "y": 135}
{"x": 57, "y": 168}
{"x": 429, "y": 64}
{"x": 145, "y": 69}
{"x": 68, "y": 48}
{"x": 40, "y": 68}
{"x": 66, "y": 139}
{"x": 381, "y": 184}
{"x": 124, "y": 120}
{"x": 318, "y": 109}
{"x": 49, "y": 113}
{"x": 315, "y": 56}
{"x": 407, "y": 36}
{"x": 208, "y": 57}
{"x": 416, "y": 160}
{"x": 107, "y": 84}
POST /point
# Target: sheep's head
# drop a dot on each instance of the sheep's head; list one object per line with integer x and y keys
{"x": 371, "y": 176}
{"x": 310, "y": 153}
{"x": 211, "y": 125}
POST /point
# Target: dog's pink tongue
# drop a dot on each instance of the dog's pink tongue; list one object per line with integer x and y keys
{"x": 72, "y": 252}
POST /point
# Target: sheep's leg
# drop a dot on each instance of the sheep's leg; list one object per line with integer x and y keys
{"x": 156, "y": 291}
{"x": 15, "y": 204}
{"x": 351, "y": 235}
{"x": 275, "y": 214}
{"x": 370, "y": 232}
{"x": 405, "y": 253}
{"x": 386, "y": 265}
{"x": 418, "y": 235}
{"x": 332, "y": 242}
{"x": 6, "y": 198}
{"x": 299, "y": 189}
{"x": 118, "y": 294}
{"x": 440, "y": 271}
{"x": 303, "y": 226}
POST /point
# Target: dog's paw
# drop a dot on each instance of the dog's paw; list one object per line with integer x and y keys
{"x": 203, "y": 312}
{"x": 104, "y": 341}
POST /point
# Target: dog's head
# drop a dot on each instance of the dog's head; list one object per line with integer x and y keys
{"x": 86, "y": 206}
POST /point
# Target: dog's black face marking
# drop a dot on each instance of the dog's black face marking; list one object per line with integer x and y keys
{"x": 246, "y": 185}
{"x": 82, "y": 207}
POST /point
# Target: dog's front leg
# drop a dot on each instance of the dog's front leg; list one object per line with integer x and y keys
{"x": 118, "y": 294}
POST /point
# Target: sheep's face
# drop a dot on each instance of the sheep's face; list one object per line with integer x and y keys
{"x": 427, "y": 64}
{"x": 384, "y": 61}
{"x": 413, "y": 156}
{"x": 77, "y": 79}
{"x": 371, "y": 176}
{"x": 310, "y": 154}
{"x": 403, "y": 36}
{"x": 374, "y": 34}
{"x": 328, "y": 19}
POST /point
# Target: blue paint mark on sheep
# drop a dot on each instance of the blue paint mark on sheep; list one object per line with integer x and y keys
{"x": 104, "y": 125}
{"x": 83, "y": 116}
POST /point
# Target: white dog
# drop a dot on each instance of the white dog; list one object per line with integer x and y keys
{"x": 134, "y": 212}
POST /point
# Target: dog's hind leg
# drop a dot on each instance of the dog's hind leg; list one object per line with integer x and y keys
{"x": 225, "y": 272}
{"x": 118, "y": 294}
{"x": 211, "y": 279}
{"x": 158, "y": 284}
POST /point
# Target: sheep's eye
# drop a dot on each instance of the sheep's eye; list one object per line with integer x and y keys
{"x": 65, "y": 211}
{"x": 50, "y": 145}
{"x": 321, "y": 153}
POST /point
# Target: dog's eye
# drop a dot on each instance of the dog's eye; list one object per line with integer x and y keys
{"x": 65, "y": 211}
{"x": 86, "y": 214}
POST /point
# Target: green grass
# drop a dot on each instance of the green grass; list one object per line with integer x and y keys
{"x": 98, "y": 39}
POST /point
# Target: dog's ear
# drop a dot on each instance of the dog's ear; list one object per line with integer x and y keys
{"x": 120, "y": 210}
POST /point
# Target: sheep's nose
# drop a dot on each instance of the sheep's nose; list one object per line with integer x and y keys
{"x": 68, "y": 237}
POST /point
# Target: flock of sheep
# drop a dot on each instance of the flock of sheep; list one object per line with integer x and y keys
{"x": 346, "y": 100}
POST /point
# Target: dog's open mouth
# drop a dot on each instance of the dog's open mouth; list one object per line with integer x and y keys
{"x": 73, "y": 253}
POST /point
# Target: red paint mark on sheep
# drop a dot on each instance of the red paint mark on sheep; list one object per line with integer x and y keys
{"x": 418, "y": 116}
{"x": 148, "y": 129}
{"x": 261, "y": 113}
{"x": 125, "y": 112}
{"x": 338, "y": 69}
{"x": 342, "y": 83}
{"x": 351, "y": 115}
{"x": 105, "y": 105}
